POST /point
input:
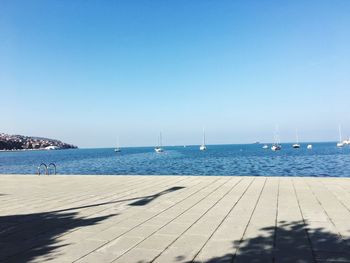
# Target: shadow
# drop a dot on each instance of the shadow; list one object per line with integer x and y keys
{"x": 147, "y": 199}
{"x": 25, "y": 237}
{"x": 143, "y": 200}
{"x": 289, "y": 242}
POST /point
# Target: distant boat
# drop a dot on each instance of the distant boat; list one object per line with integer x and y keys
{"x": 347, "y": 142}
{"x": 265, "y": 146}
{"x": 117, "y": 149}
{"x": 309, "y": 146}
{"x": 203, "y": 147}
{"x": 340, "y": 143}
{"x": 158, "y": 148}
{"x": 276, "y": 146}
{"x": 296, "y": 145}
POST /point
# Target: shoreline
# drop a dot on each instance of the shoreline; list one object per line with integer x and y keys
{"x": 172, "y": 175}
{"x": 30, "y": 150}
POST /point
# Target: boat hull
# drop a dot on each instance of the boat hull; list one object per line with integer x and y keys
{"x": 276, "y": 148}
{"x": 203, "y": 148}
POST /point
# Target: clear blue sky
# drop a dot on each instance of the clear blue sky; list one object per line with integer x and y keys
{"x": 88, "y": 71}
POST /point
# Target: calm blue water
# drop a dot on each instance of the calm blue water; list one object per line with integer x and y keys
{"x": 323, "y": 160}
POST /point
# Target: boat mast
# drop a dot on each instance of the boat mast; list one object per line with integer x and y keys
{"x": 203, "y": 143}
{"x": 296, "y": 133}
{"x": 340, "y": 140}
{"x": 276, "y": 137}
{"x": 160, "y": 139}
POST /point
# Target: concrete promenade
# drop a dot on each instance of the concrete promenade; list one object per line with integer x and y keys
{"x": 174, "y": 219}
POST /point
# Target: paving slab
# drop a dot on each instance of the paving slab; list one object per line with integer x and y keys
{"x": 174, "y": 219}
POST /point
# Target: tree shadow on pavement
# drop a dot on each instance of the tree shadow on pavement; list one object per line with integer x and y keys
{"x": 293, "y": 241}
{"x": 147, "y": 199}
{"x": 25, "y": 237}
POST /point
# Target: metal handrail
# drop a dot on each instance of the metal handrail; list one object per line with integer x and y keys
{"x": 54, "y": 166}
{"x": 39, "y": 168}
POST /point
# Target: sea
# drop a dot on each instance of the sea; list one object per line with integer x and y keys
{"x": 325, "y": 159}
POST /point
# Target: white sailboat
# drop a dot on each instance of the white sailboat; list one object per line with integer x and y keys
{"x": 347, "y": 142}
{"x": 296, "y": 145}
{"x": 265, "y": 147}
{"x": 158, "y": 148}
{"x": 276, "y": 146}
{"x": 203, "y": 147}
{"x": 340, "y": 143}
{"x": 309, "y": 147}
{"x": 117, "y": 149}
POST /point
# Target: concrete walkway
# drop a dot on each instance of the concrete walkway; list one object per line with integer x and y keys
{"x": 174, "y": 219}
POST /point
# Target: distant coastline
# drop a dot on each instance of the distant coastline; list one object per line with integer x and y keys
{"x": 10, "y": 143}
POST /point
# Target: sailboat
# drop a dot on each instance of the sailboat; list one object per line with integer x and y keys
{"x": 340, "y": 143}
{"x": 117, "y": 149}
{"x": 296, "y": 145}
{"x": 347, "y": 142}
{"x": 276, "y": 146}
{"x": 158, "y": 148}
{"x": 203, "y": 147}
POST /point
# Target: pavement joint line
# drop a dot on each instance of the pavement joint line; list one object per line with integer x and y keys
{"x": 325, "y": 211}
{"x": 164, "y": 210}
{"x": 224, "y": 218}
{"x": 304, "y": 221}
{"x": 276, "y": 223}
{"x": 202, "y": 215}
{"x": 345, "y": 189}
{"x": 250, "y": 218}
{"x": 340, "y": 201}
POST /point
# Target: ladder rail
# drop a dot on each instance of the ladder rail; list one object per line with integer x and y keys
{"x": 54, "y": 167}
{"x": 39, "y": 168}
{"x": 47, "y": 168}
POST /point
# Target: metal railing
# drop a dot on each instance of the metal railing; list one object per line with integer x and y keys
{"x": 47, "y": 168}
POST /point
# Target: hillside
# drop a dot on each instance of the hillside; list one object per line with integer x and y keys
{"x": 20, "y": 142}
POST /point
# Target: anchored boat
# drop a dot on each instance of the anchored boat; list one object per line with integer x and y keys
{"x": 158, "y": 148}
{"x": 117, "y": 149}
{"x": 276, "y": 146}
{"x": 340, "y": 143}
{"x": 203, "y": 147}
{"x": 296, "y": 145}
